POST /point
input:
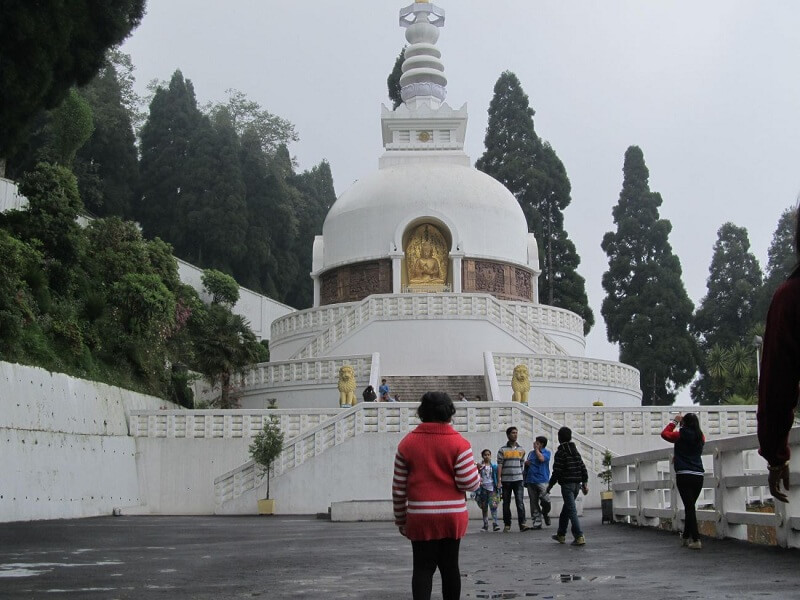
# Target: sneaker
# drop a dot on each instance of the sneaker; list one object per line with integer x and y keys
{"x": 537, "y": 526}
{"x": 524, "y": 528}
{"x": 496, "y": 527}
{"x": 507, "y": 528}
{"x": 579, "y": 541}
{"x": 561, "y": 539}
{"x": 694, "y": 545}
{"x": 546, "y": 520}
{"x": 485, "y": 528}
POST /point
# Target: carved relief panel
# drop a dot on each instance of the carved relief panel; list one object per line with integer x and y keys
{"x": 355, "y": 282}
{"x": 503, "y": 281}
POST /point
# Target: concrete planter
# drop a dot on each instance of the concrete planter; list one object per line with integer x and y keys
{"x": 266, "y": 507}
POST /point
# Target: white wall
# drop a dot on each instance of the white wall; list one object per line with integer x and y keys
{"x": 9, "y": 196}
{"x": 64, "y": 445}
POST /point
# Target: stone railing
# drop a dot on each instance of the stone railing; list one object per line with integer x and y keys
{"x": 568, "y": 369}
{"x": 228, "y": 424}
{"x": 650, "y": 420}
{"x": 645, "y": 492}
{"x": 548, "y": 317}
{"x": 431, "y": 306}
{"x": 311, "y": 371}
{"x": 399, "y": 417}
{"x": 306, "y": 321}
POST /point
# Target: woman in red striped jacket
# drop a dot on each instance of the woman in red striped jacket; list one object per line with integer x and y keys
{"x": 433, "y": 469}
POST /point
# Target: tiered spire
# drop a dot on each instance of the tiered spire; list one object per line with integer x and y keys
{"x": 423, "y": 73}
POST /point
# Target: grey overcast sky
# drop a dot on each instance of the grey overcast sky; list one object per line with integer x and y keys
{"x": 709, "y": 90}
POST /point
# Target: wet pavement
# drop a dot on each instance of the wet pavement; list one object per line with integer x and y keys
{"x": 294, "y": 557}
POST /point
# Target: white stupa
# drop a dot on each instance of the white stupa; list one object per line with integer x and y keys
{"x": 425, "y": 274}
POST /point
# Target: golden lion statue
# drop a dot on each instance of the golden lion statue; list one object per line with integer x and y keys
{"x": 347, "y": 386}
{"x": 520, "y": 384}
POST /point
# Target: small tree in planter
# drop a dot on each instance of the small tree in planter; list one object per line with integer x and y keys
{"x": 607, "y": 496}
{"x": 266, "y": 447}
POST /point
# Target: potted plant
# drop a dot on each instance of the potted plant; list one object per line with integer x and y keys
{"x": 266, "y": 447}
{"x": 606, "y": 495}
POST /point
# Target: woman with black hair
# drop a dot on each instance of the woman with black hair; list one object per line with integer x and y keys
{"x": 433, "y": 469}
{"x": 689, "y": 471}
{"x": 780, "y": 375}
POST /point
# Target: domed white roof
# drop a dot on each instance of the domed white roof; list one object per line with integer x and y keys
{"x": 482, "y": 217}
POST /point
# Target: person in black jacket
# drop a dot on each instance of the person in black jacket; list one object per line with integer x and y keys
{"x": 571, "y": 474}
{"x": 689, "y": 471}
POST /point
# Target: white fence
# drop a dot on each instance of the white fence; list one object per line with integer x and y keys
{"x": 398, "y": 417}
{"x": 645, "y": 492}
{"x": 438, "y": 306}
{"x": 569, "y": 369}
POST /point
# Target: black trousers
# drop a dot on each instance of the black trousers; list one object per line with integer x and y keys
{"x": 689, "y": 487}
{"x": 428, "y": 556}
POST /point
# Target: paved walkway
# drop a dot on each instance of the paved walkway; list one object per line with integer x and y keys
{"x": 284, "y": 557}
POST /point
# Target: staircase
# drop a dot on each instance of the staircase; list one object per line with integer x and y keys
{"x": 411, "y": 388}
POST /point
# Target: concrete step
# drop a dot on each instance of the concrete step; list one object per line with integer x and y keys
{"x": 411, "y": 388}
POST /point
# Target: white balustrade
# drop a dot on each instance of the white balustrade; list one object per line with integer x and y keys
{"x": 431, "y": 306}
{"x": 650, "y": 420}
{"x": 645, "y": 492}
{"x": 193, "y": 424}
{"x": 569, "y": 369}
{"x": 399, "y": 417}
{"x": 310, "y": 371}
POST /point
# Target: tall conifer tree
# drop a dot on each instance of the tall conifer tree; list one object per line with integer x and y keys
{"x": 166, "y": 148}
{"x": 781, "y": 260}
{"x": 107, "y": 165}
{"x": 532, "y": 171}
{"x": 646, "y": 309}
{"x": 727, "y": 314}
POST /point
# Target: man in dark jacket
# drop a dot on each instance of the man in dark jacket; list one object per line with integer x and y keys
{"x": 570, "y": 473}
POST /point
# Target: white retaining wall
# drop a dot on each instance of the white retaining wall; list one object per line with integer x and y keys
{"x": 64, "y": 445}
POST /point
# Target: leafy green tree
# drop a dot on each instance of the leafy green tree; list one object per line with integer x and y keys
{"x": 18, "y": 305}
{"x": 646, "y": 309}
{"x": 48, "y": 47}
{"x": 781, "y": 260}
{"x": 222, "y": 288}
{"x": 166, "y": 158}
{"x": 393, "y": 81}
{"x": 531, "y": 170}
{"x": 267, "y": 447}
{"x": 107, "y": 165}
{"x": 732, "y": 373}
{"x": 727, "y": 313}
{"x": 72, "y": 126}
{"x": 245, "y": 114}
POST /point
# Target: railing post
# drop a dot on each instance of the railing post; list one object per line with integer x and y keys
{"x": 646, "y": 498}
{"x": 787, "y": 537}
{"x": 729, "y": 464}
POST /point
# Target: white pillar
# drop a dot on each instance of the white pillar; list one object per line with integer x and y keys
{"x": 457, "y": 260}
{"x": 315, "y": 278}
{"x": 397, "y": 270}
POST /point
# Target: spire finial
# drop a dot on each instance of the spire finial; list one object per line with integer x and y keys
{"x": 423, "y": 73}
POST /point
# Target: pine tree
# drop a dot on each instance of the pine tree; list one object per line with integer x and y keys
{"x": 317, "y": 195}
{"x": 646, "y": 309}
{"x": 781, "y": 260}
{"x": 727, "y": 314}
{"x": 532, "y": 171}
{"x": 107, "y": 165}
{"x": 393, "y": 81}
{"x": 166, "y": 154}
{"x": 212, "y": 212}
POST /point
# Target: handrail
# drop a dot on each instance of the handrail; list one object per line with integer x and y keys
{"x": 645, "y": 492}
{"x": 399, "y": 417}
